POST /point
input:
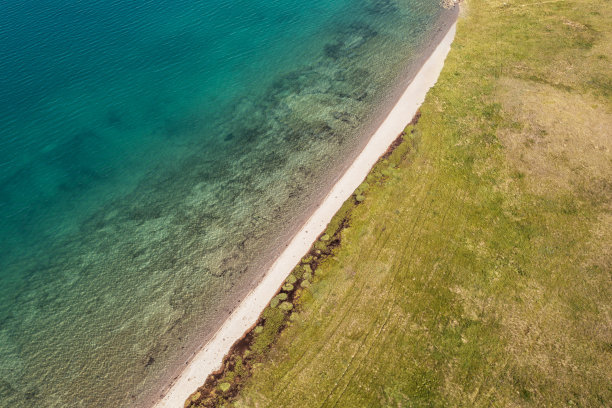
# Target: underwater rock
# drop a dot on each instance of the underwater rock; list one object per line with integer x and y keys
{"x": 231, "y": 265}
{"x": 272, "y": 162}
{"x": 351, "y": 38}
{"x": 332, "y": 51}
{"x": 345, "y": 117}
{"x": 295, "y": 82}
{"x": 378, "y": 7}
{"x": 114, "y": 119}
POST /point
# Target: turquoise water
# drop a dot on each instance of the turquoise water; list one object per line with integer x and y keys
{"x": 154, "y": 156}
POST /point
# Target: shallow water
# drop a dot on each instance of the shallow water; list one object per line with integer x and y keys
{"x": 155, "y": 156}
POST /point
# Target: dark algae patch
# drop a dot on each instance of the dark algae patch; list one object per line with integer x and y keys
{"x": 250, "y": 351}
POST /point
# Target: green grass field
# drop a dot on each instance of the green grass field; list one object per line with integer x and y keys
{"x": 476, "y": 267}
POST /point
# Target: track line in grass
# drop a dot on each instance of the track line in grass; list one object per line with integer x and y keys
{"x": 327, "y": 340}
{"x": 380, "y": 310}
{"x": 349, "y": 310}
{"x": 392, "y": 340}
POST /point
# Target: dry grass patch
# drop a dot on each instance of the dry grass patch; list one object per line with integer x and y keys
{"x": 564, "y": 139}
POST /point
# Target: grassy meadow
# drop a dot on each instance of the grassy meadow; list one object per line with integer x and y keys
{"x": 474, "y": 266}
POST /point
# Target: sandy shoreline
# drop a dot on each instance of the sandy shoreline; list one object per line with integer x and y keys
{"x": 210, "y": 356}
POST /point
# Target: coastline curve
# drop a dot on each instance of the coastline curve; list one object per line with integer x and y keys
{"x": 210, "y": 356}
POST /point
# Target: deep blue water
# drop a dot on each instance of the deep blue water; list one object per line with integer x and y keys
{"x": 153, "y": 155}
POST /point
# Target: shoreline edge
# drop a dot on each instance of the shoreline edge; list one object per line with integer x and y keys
{"x": 210, "y": 357}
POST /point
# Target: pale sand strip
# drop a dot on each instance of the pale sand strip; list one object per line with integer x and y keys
{"x": 210, "y": 357}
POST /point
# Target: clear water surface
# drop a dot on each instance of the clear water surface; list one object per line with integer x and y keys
{"x": 154, "y": 155}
